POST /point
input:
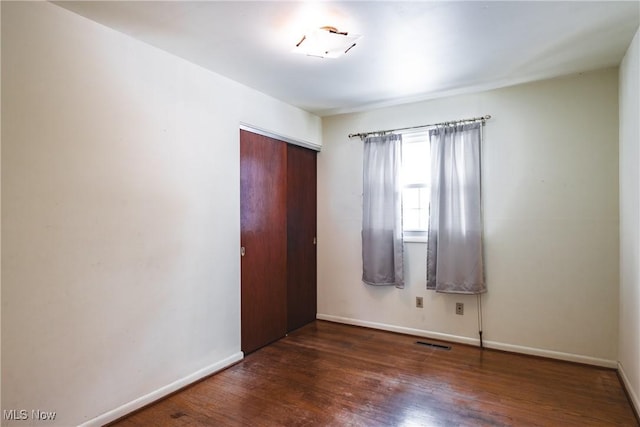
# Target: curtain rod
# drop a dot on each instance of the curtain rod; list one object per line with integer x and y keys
{"x": 453, "y": 122}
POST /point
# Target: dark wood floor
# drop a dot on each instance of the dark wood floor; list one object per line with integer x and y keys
{"x": 327, "y": 374}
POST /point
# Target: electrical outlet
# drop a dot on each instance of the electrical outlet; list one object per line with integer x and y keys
{"x": 459, "y": 308}
{"x": 419, "y": 302}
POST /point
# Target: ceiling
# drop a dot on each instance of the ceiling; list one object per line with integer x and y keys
{"x": 410, "y": 51}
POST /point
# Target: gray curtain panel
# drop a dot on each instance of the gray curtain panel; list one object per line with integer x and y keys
{"x": 382, "y": 246}
{"x": 454, "y": 247}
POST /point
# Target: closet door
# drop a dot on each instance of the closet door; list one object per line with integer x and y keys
{"x": 301, "y": 237}
{"x": 263, "y": 237}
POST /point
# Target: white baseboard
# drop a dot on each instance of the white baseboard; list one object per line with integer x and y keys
{"x": 473, "y": 341}
{"x": 155, "y": 395}
{"x": 635, "y": 401}
{"x": 399, "y": 329}
{"x": 569, "y": 357}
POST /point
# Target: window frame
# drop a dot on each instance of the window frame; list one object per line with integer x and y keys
{"x": 415, "y": 137}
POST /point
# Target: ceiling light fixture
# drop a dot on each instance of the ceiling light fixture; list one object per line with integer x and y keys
{"x": 326, "y": 42}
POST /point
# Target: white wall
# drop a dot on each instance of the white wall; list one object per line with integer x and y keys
{"x": 120, "y": 215}
{"x": 550, "y": 177}
{"x": 629, "y": 335}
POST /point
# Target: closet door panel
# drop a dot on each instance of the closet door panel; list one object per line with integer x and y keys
{"x": 263, "y": 221}
{"x": 301, "y": 235}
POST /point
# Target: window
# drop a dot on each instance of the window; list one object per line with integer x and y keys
{"x": 416, "y": 165}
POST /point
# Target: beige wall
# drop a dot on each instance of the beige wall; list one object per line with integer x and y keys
{"x": 120, "y": 215}
{"x": 550, "y": 177}
{"x": 629, "y": 347}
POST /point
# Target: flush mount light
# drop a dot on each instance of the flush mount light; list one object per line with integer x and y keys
{"x": 326, "y": 42}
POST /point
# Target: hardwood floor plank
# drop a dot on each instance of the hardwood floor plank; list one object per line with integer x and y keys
{"x": 327, "y": 374}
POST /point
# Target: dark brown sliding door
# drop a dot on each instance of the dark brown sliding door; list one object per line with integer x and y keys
{"x": 263, "y": 207}
{"x": 301, "y": 237}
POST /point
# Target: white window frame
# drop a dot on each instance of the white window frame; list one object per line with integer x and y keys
{"x": 415, "y": 137}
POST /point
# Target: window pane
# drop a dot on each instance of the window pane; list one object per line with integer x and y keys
{"x": 415, "y": 208}
{"x": 411, "y": 219}
{"x": 424, "y": 207}
{"x": 411, "y": 198}
{"x": 415, "y": 163}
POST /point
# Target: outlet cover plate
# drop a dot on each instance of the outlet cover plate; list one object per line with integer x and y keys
{"x": 459, "y": 308}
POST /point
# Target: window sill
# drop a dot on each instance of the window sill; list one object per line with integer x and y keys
{"x": 415, "y": 239}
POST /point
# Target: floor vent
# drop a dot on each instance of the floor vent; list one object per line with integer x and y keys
{"x": 430, "y": 344}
